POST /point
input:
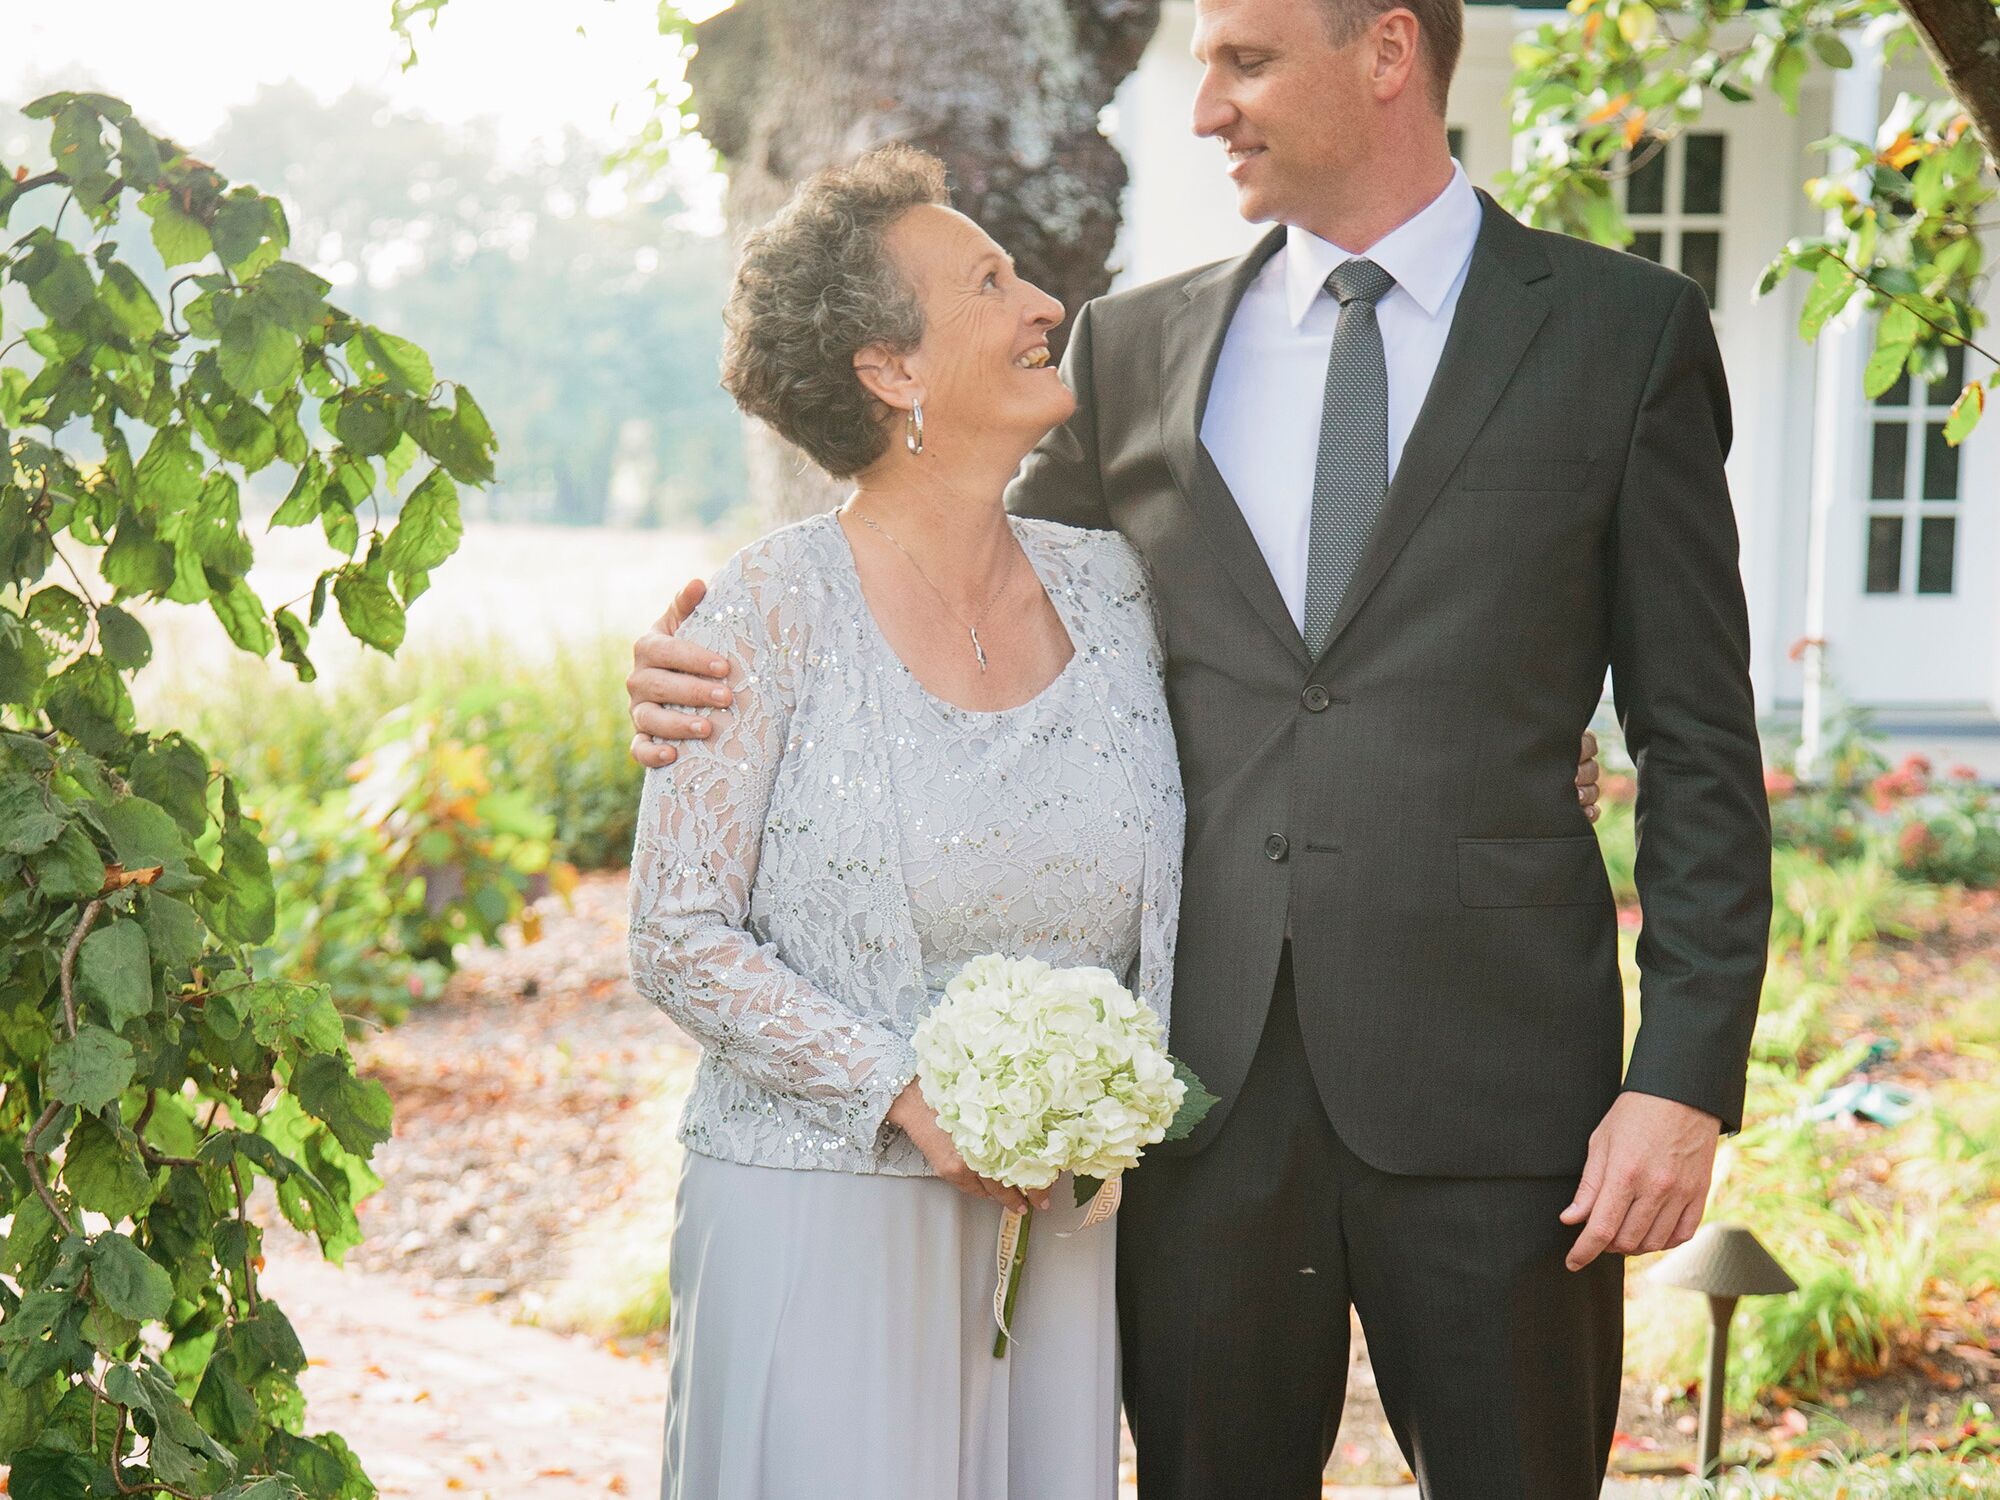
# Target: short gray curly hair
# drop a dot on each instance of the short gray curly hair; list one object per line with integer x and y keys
{"x": 814, "y": 286}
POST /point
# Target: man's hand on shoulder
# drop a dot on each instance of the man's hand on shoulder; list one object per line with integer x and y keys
{"x": 668, "y": 677}
{"x": 1645, "y": 1183}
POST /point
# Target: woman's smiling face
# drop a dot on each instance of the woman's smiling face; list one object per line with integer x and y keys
{"x": 984, "y": 363}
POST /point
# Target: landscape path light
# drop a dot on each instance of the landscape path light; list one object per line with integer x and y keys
{"x": 1724, "y": 1262}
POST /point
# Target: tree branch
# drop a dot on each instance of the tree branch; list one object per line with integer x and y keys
{"x": 69, "y": 961}
{"x": 1963, "y": 39}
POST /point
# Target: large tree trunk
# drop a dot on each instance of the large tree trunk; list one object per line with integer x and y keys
{"x": 1007, "y": 92}
{"x": 1963, "y": 39}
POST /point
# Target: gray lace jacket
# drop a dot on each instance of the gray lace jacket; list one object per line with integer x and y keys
{"x": 769, "y": 915}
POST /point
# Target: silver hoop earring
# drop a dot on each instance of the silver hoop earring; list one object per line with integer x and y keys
{"x": 913, "y": 428}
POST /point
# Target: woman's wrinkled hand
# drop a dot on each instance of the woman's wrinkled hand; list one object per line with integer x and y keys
{"x": 913, "y": 1115}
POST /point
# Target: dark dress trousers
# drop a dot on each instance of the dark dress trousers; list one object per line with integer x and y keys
{"x": 1409, "y": 1083}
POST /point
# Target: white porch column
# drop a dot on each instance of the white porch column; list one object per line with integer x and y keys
{"x": 1839, "y": 439}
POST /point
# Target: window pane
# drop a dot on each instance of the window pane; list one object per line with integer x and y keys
{"x": 1701, "y": 188}
{"x": 1885, "y": 554}
{"x": 1936, "y": 544}
{"x": 1892, "y": 449}
{"x": 1647, "y": 243}
{"x": 1701, "y": 257}
{"x": 1940, "y": 464}
{"x": 1454, "y": 139}
{"x": 1646, "y": 188}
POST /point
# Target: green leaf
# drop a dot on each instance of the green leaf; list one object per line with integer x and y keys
{"x": 114, "y": 972}
{"x": 50, "y": 1474}
{"x": 1787, "y": 73}
{"x": 291, "y": 438}
{"x": 88, "y": 701}
{"x": 30, "y": 818}
{"x": 249, "y": 231}
{"x": 174, "y": 773}
{"x": 292, "y": 642}
{"x": 137, "y": 562}
{"x": 138, "y": 156}
{"x": 24, "y": 660}
{"x": 104, "y": 1171}
{"x": 401, "y": 363}
{"x": 173, "y": 933}
{"x": 428, "y": 530}
{"x": 247, "y": 909}
{"x": 69, "y": 869}
{"x": 282, "y": 1010}
{"x": 123, "y": 639}
{"x": 1831, "y": 289}
{"x": 1832, "y": 50}
{"x": 128, "y": 304}
{"x": 1965, "y": 413}
{"x": 1884, "y": 365}
{"x": 256, "y": 354}
{"x": 1195, "y": 1104}
{"x": 368, "y": 609}
{"x": 242, "y": 615}
{"x": 367, "y": 423}
{"x": 356, "y": 1110}
{"x": 59, "y": 612}
{"x": 128, "y": 1280}
{"x": 91, "y": 1068}
{"x": 180, "y": 239}
{"x": 302, "y": 503}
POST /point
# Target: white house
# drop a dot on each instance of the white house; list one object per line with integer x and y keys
{"x": 1860, "y": 527}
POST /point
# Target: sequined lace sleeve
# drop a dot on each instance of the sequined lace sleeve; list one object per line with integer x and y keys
{"x": 694, "y": 864}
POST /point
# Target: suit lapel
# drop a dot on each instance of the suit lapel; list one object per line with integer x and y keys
{"x": 1189, "y": 350}
{"x": 1498, "y": 314}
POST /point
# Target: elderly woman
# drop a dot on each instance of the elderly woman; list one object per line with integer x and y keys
{"x": 945, "y": 736}
{"x": 948, "y": 738}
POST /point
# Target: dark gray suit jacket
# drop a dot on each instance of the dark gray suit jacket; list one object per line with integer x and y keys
{"x": 1560, "y": 508}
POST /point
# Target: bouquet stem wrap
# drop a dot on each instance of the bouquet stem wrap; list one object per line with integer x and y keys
{"x": 1011, "y": 1255}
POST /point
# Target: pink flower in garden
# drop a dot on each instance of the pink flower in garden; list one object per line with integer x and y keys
{"x": 1779, "y": 785}
{"x": 1962, "y": 773}
{"x": 1617, "y": 788}
{"x": 1915, "y": 844}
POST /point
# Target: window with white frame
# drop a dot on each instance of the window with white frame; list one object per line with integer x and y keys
{"x": 1673, "y": 201}
{"x": 1912, "y": 509}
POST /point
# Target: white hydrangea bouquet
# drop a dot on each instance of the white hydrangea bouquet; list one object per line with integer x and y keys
{"x": 1035, "y": 1071}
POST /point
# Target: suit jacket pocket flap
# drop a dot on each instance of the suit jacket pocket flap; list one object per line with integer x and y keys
{"x": 1524, "y": 471}
{"x": 1531, "y": 872}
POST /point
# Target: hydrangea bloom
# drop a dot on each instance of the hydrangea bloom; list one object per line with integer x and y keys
{"x": 1035, "y": 1071}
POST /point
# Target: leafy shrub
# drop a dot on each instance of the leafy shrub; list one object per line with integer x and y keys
{"x": 380, "y": 883}
{"x": 150, "y": 1069}
{"x": 553, "y": 728}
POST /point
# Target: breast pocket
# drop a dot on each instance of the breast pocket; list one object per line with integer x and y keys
{"x": 1526, "y": 471}
{"x": 1531, "y": 872}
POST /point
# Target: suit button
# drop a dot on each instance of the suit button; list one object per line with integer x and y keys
{"x": 1277, "y": 846}
{"x": 1316, "y": 699}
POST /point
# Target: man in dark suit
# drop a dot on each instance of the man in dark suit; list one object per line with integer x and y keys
{"x": 1409, "y": 477}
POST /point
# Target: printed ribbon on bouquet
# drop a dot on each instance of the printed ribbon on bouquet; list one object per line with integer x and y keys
{"x": 1007, "y": 1253}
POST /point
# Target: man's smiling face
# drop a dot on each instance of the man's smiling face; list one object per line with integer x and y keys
{"x": 1287, "y": 104}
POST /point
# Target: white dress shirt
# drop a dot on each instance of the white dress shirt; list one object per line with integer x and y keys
{"x": 1262, "y": 422}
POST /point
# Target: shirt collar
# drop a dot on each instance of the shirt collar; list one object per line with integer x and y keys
{"x": 1424, "y": 253}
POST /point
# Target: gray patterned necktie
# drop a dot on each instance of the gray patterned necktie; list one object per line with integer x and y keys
{"x": 1352, "y": 474}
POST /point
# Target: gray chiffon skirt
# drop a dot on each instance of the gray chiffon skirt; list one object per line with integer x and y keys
{"x": 832, "y": 1339}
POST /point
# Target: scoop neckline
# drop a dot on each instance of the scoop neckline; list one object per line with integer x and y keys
{"x": 874, "y": 628}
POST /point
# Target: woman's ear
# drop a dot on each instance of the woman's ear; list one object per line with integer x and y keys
{"x": 887, "y": 377}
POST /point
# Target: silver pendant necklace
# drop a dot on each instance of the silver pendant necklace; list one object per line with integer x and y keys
{"x": 972, "y": 630}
